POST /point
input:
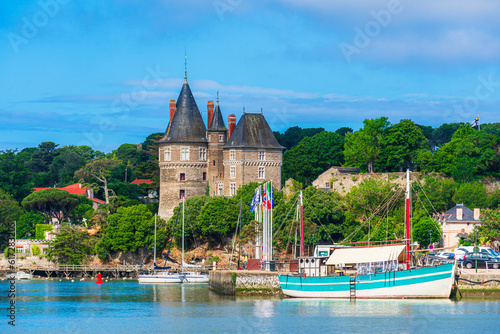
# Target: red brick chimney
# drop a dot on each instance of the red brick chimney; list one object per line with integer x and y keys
{"x": 172, "y": 109}
{"x": 231, "y": 122}
{"x": 210, "y": 109}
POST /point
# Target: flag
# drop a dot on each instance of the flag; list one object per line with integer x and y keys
{"x": 254, "y": 200}
{"x": 270, "y": 201}
{"x": 475, "y": 122}
{"x": 264, "y": 199}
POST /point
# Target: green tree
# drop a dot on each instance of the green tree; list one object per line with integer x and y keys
{"x": 426, "y": 231}
{"x": 71, "y": 246}
{"x": 401, "y": 144}
{"x": 15, "y": 175}
{"x": 494, "y": 199}
{"x": 218, "y": 218}
{"x": 294, "y": 135}
{"x": 130, "y": 228}
{"x": 472, "y": 195}
{"x": 27, "y": 224}
{"x": 100, "y": 170}
{"x": 312, "y": 156}
{"x": 64, "y": 165}
{"x": 193, "y": 234}
{"x": 490, "y": 225}
{"x": 53, "y": 203}
{"x": 9, "y": 212}
{"x": 435, "y": 193}
{"x": 82, "y": 213}
{"x": 363, "y": 147}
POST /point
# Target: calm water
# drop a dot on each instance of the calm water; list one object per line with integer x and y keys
{"x": 127, "y": 307}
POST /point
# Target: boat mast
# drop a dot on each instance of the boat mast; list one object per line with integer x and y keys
{"x": 183, "y": 205}
{"x": 154, "y": 249}
{"x": 407, "y": 219}
{"x": 301, "y": 226}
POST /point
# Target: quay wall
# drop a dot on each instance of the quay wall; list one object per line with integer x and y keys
{"x": 242, "y": 282}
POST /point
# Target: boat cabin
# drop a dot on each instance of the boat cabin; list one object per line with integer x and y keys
{"x": 359, "y": 260}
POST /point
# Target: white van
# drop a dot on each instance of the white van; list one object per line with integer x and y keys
{"x": 462, "y": 250}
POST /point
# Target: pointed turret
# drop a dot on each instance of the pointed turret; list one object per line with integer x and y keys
{"x": 217, "y": 120}
{"x": 187, "y": 124}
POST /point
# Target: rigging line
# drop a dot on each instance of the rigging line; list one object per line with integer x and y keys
{"x": 418, "y": 197}
{"x": 307, "y": 202}
{"x": 381, "y": 206}
{"x": 147, "y": 246}
{"x": 172, "y": 238}
{"x": 289, "y": 237}
{"x": 433, "y": 208}
{"x": 391, "y": 203}
{"x": 279, "y": 228}
{"x": 234, "y": 239}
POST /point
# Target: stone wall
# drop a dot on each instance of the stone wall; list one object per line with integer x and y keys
{"x": 239, "y": 282}
{"x": 343, "y": 183}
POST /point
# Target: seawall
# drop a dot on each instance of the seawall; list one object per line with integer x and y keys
{"x": 242, "y": 282}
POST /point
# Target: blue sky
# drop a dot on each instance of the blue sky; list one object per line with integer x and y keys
{"x": 101, "y": 73}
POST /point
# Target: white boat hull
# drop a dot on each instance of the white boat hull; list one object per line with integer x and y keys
{"x": 161, "y": 277}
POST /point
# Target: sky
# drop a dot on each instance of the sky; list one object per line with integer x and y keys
{"x": 102, "y": 73}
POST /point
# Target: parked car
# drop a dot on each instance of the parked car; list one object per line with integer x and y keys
{"x": 482, "y": 259}
{"x": 445, "y": 255}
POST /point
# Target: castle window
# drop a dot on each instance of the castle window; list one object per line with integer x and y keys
{"x": 167, "y": 154}
{"x": 203, "y": 154}
{"x": 262, "y": 172}
{"x": 233, "y": 172}
{"x": 232, "y": 155}
{"x": 185, "y": 153}
{"x": 182, "y": 193}
{"x": 183, "y": 177}
{"x": 209, "y": 137}
{"x": 262, "y": 155}
{"x": 221, "y": 189}
{"x": 221, "y": 137}
{"x": 204, "y": 176}
{"x": 232, "y": 188}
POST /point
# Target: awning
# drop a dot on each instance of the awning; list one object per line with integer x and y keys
{"x": 365, "y": 254}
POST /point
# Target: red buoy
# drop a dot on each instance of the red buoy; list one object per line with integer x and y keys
{"x": 99, "y": 281}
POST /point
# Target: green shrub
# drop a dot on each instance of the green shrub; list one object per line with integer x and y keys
{"x": 35, "y": 250}
{"x": 41, "y": 229}
{"x": 8, "y": 252}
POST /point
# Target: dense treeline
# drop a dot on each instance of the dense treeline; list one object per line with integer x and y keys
{"x": 455, "y": 158}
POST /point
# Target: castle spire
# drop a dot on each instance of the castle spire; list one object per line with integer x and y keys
{"x": 185, "y": 66}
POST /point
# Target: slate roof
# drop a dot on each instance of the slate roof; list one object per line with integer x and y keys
{"x": 467, "y": 215}
{"x": 187, "y": 125}
{"x": 252, "y": 130}
{"x": 217, "y": 121}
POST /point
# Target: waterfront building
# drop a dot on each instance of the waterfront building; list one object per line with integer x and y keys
{"x": 457, "y": 222}
{"x": 196, "y": 160}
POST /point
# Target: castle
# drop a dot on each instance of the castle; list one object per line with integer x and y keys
{"x": 194, "y": 159}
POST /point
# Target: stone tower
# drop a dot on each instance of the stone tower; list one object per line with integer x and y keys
{"x": 251, "y": 154}
{"x": 217, "y": 137}
{"x": 182, "y": 154}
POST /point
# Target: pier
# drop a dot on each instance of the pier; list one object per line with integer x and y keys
{"x": 54, "y": 270}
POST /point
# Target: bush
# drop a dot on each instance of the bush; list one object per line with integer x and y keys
{"x": 8, "y": 252}
{"x": 41, "y": 229}
{"x": 35, "y": 250}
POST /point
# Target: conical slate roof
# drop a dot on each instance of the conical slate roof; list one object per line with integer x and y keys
{"x": 187, "y": 124}
{"x": 217, "y": 121}
{"x": 252, "y": 130}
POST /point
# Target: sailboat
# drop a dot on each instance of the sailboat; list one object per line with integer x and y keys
{"x": 377, "y": 272}
{"x": 190, "y": 276}
{"x": 167, "y": 276}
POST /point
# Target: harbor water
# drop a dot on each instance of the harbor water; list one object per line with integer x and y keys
{"x": 129, "y": 307}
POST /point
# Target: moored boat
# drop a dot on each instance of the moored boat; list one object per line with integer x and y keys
{"x": 381, "y": 271}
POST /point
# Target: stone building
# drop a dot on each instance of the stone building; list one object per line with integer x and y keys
{"x": 457, "y": 222}
{"x": 195, "y": 159}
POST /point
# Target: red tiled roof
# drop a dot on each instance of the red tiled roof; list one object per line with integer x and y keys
{"x": 99, "y": 201}
{"x": 75, "y": 188}
{"x": 138, "y": 181}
